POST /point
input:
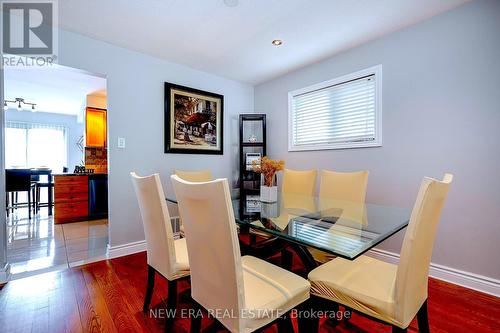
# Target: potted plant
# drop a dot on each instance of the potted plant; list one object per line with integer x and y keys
{"x": 268, "y": 169}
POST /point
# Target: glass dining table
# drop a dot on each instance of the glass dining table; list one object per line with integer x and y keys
{"x": 341, "y": 228}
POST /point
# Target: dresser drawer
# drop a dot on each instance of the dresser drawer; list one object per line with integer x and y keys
{"x": 70, "y": 196}
{"x": 71, "y": 210}
{"x": 66, "y": 186}
{"x": 64, "y": 189}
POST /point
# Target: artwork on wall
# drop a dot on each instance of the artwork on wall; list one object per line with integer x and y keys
{"x": 193, "y": 121}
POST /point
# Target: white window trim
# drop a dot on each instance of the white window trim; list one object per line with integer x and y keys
{"x": 375, "y": 70}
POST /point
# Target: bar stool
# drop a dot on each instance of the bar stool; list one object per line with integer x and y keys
{"x": 18, "y": 180}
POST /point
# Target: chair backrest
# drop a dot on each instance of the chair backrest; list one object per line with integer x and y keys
{"x": 299, "y": 182}
{"x": 17, "y": 180}
{"x": 348, "y": 186}
{"x": 213, "y": 247}
{"x": 195, "y": 176}
{"x": 157, "y": 225}
{"x": 345, "y": 191}
{"x": 416, "y": 252}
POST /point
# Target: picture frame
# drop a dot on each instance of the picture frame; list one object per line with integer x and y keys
{"x": 194, "y": 121}
{"x": 250, "y": 158}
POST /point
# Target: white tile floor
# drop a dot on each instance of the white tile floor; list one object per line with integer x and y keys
{"x": 37, "y": 245}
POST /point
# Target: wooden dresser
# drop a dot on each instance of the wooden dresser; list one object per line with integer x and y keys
{"x": 71, "y": 194}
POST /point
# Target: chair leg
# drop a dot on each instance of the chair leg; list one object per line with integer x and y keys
{"x": 306, "y": 322}
{"x": 252, "y": 239}
{"x": 171, "y": 305}
{"x": 348, "y": 309}
{"x": 331, "y": 307}
{"x": 7, "y": 203}
{"x": 13, "y": 201}
{"x": 396, "y": 329}
{"x": 149, "y": 288}
{"x": 29, "y": 204}
{"x": 284, "y": 324}
{"x": 196, "y": 318}
{"x": 34, "y": 201}
{"x": 423, "y": 319}
{"x": 37, "y": 200}
{"x": 286, "y": 259}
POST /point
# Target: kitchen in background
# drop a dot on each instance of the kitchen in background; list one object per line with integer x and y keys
{"x": 57, "y": 210}
{"x": 83, "y": 194}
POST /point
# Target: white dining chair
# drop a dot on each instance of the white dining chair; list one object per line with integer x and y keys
{"x": 345, "y": 186}
{"x": 253, "y": 291}
{"x": 190, "y": 176}
{"x": 297, "y": 196}
{"x": 301, "y": 182}
{"x": 297, "y": 189}
{"x": 342, "y": 195}
{"x": 195, "y": 176}
{"x": 393, "y": 294}
{"x": 165, "y": 256}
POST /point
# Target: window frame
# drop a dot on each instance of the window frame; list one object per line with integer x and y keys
{"x": 26, "y": 126}
{"x": 375, "y": 70}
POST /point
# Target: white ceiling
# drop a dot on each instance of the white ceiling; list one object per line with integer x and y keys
{"x": 235, "y": 42}
{"x": 56, "y": 90}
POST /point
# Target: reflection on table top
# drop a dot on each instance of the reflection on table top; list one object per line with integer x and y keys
{"x": 343, "y": 228}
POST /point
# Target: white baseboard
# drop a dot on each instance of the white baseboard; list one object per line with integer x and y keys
{"x": 465, "y": 279}
{"x": 5, "y": 274}
{"x": 126, "y": 249}
{"x": 139, "y": 246}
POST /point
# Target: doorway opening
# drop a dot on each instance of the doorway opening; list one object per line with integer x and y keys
{"x": 56, "y": 168}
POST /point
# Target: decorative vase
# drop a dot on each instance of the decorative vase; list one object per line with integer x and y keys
{"x": 269, "y": 210}
{"x": 268, "y": 193}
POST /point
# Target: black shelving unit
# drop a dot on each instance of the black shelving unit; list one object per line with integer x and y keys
{"x": 252, "y": 142}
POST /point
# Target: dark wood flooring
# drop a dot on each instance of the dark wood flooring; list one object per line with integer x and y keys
{"x": 107, "y": 296}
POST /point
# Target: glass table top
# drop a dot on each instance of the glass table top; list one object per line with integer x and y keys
{"x": 343, "y": 228}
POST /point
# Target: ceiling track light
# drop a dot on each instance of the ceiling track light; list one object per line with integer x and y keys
{"x": 20, "y": 103}
{"x": 277, "y": 42}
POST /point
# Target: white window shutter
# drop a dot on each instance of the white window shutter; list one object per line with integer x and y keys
{"x": 335, "y": 116}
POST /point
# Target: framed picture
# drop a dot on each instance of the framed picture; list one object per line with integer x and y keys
{"x": 193, "y": 121}
{"x": 250, "y": 158}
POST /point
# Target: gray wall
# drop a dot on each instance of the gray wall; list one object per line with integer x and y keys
{"x": 135, "y": 112}
{"x": 441, "y": 112}
{"x": 74, "y": 129}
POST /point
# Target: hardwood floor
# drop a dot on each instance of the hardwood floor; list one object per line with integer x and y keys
{"x": 107, "y": 296}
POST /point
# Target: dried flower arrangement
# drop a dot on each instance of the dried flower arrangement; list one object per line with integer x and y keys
{"x": 268, "y": 168}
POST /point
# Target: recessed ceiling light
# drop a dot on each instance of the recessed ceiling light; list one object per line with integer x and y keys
{"x": 231, "y": 3}
{"x": 277, "y": 42}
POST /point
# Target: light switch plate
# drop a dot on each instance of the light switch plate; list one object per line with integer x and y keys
{"x": 121, "y": 142}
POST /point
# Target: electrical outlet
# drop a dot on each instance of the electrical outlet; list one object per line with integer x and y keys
{"x": 121, "y": 142}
